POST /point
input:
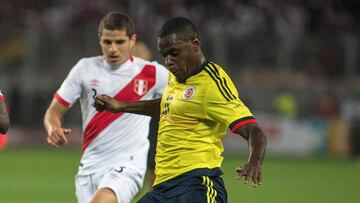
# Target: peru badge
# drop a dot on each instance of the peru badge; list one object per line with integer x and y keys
{"x": 140, "y": 86}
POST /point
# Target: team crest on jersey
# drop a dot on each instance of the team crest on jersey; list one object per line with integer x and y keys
{"x": 140, "y": 86}
{"x": 189, "y": 93}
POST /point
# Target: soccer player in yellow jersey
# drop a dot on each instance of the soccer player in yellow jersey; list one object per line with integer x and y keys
{"x": 198, "y": 105}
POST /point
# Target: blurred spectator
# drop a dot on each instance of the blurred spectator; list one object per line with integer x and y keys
{"x": 15, "y": 106}
{"x": 285, "y": 104}
{"x": 355, "y": 137}
{"x": 327, "y": 106}
{"x": 141, "y": 50}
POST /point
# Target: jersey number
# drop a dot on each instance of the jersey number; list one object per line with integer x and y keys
{"x": 166, "y": 110}
{"x": 120, "y": 169}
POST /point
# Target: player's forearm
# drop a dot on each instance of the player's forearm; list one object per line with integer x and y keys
{"x": 148, "y": 107}
{"x": 53, "y": 115}
{"x": 257, "y": 142}
{"x": 4, "y": 123}
{"x": 4, "y": 118}
{"x": 51, "y": 121}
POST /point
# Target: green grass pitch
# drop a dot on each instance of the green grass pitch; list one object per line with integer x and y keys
{"x": 47, "y": 176}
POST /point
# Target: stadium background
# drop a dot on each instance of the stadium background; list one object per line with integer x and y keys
{"x": 295, "y": 63}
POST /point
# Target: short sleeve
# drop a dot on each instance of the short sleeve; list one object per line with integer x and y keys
{"x": 162, "y": 77}
{"x": 70, "y": 90}
{"x": 233, "y": 113}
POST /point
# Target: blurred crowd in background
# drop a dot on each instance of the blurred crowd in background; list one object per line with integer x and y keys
{"x": 296, "y": 59}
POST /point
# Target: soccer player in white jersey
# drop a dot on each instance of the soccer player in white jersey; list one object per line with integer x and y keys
{"x": 4, "y": 117}
{"x": 115, "y": 146}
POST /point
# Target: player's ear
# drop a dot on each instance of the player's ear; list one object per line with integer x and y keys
{"x": 196, "y": 43}
{"x": 99, "y": 37}
{"x": 133, "y": 38}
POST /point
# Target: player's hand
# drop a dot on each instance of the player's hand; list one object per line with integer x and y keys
{"x": 249, "y": 171}
{"x": 107, "y": 103}
{"x": 58, "y": 137}
{"x": 99, "y": 106}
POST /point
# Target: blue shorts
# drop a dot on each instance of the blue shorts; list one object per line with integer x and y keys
{"x": 197, "y": 186}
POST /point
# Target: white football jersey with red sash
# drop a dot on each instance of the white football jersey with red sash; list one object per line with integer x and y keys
{"x": 1, "y": 96}
{"x": 112, "y": 139}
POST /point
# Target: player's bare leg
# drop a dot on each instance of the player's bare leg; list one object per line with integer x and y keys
{"x": 104, "y": 195}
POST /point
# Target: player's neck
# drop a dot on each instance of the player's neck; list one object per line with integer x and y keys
{"x": 199, "y": 65}
{"x": 115, "y": 67}
{"x": 112, "y": 66}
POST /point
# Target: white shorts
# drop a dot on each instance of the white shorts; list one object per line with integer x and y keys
{"x": 125, "y": 181}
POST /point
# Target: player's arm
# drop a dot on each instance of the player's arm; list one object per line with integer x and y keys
{"x": 148, "y": 107}
{"x": 257, "y": 143}
{"x": 4, "y": 118}
{"x": 56, "y": 135}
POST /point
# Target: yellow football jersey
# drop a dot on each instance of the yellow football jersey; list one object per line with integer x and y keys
{"x": 194, "y": 117}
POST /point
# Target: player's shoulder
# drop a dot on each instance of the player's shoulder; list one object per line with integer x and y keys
{"x": 215, "y": 73}
{"x": 87, "y": 63}
{"x": 219, "y": 81}
{"x": 94, "y": 60}
{"x": 214, "y": 69}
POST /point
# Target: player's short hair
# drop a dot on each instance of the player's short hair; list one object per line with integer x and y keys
{"x": 184, "y": 28}
{"x": 117, "y": 21}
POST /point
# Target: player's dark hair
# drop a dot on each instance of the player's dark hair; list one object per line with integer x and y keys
{"x": 117, "y": 21}
{"x": 184, "y": 28}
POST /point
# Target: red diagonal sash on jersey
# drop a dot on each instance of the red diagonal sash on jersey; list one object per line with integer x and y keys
{"x": 102, "y": 119}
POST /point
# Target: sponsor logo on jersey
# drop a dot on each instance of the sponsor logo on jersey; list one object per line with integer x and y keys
{"x": 189, "y": 93}
{"x": 236, "y": 107}
{"x": 94, "y": 82}
{"x": 114, "y": 176}
{"x": 140, "y": 86}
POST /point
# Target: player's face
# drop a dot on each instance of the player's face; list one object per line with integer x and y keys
{"x": 116, "y": 45}
{"x": 179, "y": 56}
